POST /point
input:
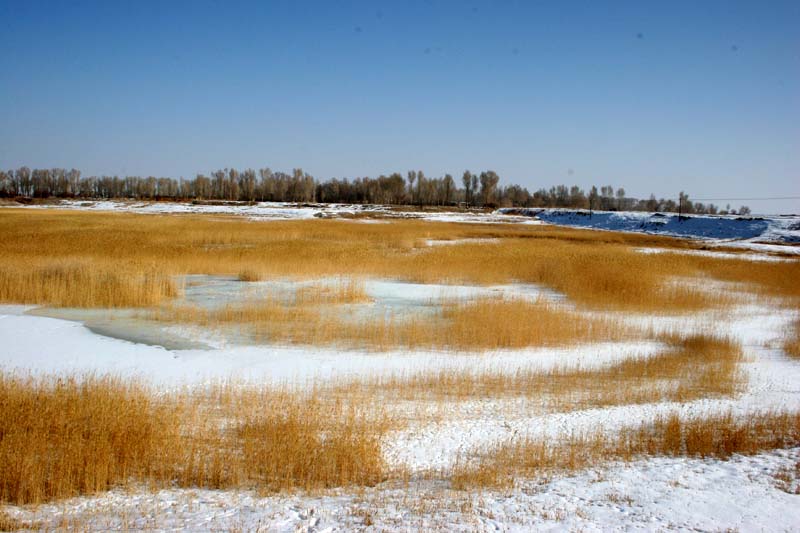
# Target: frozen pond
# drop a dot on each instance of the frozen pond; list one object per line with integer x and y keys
{"x": 385, "y": 298}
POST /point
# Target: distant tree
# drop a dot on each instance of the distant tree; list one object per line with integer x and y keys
{"x": 577, "y": 198}
{"x": 202, "y": 186}
{"x": 420, "y": 185}
{"x": 621, "y": 199}
{"x": 266, "y": 187}
{"x": 684, "y": 205}
{"x": 606, "y": 197}
{"x": 559, "y": 196}
{"x": 218, "y": 184}
{"x": 247, "y": 185}
{"x": 24, "y": 183}
{"x": 299, "y": 186}
{"x": 232, "y": 185}
{"x": 489, "y": 180}
{"x": 73, "y": 182}
{"x": 448, "y": 189}
{"x": 412, "y": 177}
{"x": 474, "y": 187}
{"x": 466, "y": 179}
{"x": 652, "y": 203}
{"x": 59, "y": 182}
{"x": 5, "y": 183}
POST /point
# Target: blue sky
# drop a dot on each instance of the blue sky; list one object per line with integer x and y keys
{"x": 652, "y": 96}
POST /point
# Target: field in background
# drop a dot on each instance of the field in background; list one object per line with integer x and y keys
{"x": 123, "y": 260}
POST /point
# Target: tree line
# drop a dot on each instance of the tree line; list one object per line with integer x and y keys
{"x": 264, "y": 185}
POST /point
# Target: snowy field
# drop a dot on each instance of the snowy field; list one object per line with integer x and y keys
{"x": 743, "y": 493}
{"x": 752, "y": 493}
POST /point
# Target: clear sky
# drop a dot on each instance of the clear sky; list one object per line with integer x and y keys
{"x": 652, "y": 96}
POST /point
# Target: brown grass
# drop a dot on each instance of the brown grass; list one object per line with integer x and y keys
{"x": 61, "y": 437}
{"x": 699, "y": 366}
{"x": 483, "y": 324}
{"x": 343, "y": 291}
{"x": 787, "y": 478}
{"x": 717, "y": 436}
{"x": 9, "y": 523}
{"x": 249, "y": 275}
{"x": 792, "y": 344}
{"x": 595, "y": 269}
{"x": 83, "y": 283}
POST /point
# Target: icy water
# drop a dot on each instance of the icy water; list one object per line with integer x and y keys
{"x": 386, "y": 299}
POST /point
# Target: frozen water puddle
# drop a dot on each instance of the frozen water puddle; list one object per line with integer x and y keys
{"x": 386, "y": 298}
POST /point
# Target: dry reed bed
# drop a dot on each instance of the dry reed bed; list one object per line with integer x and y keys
{"x": 79, "y": 283}
{"x": 717, "y": 436}
{"x": 9, "y": 523}
{"x": 699, "y": 366}
{"x": 792, "y": 344}
{"x": 61, "y": 437}
{"x": 482, "y": 324}
{"x": 595, "y": 269}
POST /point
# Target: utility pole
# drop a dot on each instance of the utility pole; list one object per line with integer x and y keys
{"x": 680, "y": 207}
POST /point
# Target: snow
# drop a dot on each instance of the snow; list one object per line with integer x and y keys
{"x": 39, "y": 344}
{"x": 651, "y": 494}
{"x": 366, "y": 213}
{"x": 657, "y": 494}
{"x": 717, "y": 254}
{"x": 648, "y": 494}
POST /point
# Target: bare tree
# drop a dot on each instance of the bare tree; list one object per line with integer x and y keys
{"x": 466, "y": 179}
{"x": 489, "y": 180}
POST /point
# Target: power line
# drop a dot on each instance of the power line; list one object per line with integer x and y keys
{"x": 746, "y": 199}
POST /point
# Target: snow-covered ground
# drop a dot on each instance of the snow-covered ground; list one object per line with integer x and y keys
{"x": 743, "y": 493}
{"x": 662, "y": 494}
{"x": 366, "y": 213}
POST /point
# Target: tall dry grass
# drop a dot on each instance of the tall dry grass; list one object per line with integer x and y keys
{"x": 9, "y": 523}
{"x": 342, "y": 291}
{"x": 792, "y": 343}
{"x": 64, "y": 436}
{"x": 81, "y": 283}
{"x": 699, "y": 366}
{"x": 595, "y": 269}
{"x": 717, "y": 436}
{"x": 61, "y": 437}
{"x": 483, "y": 324}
